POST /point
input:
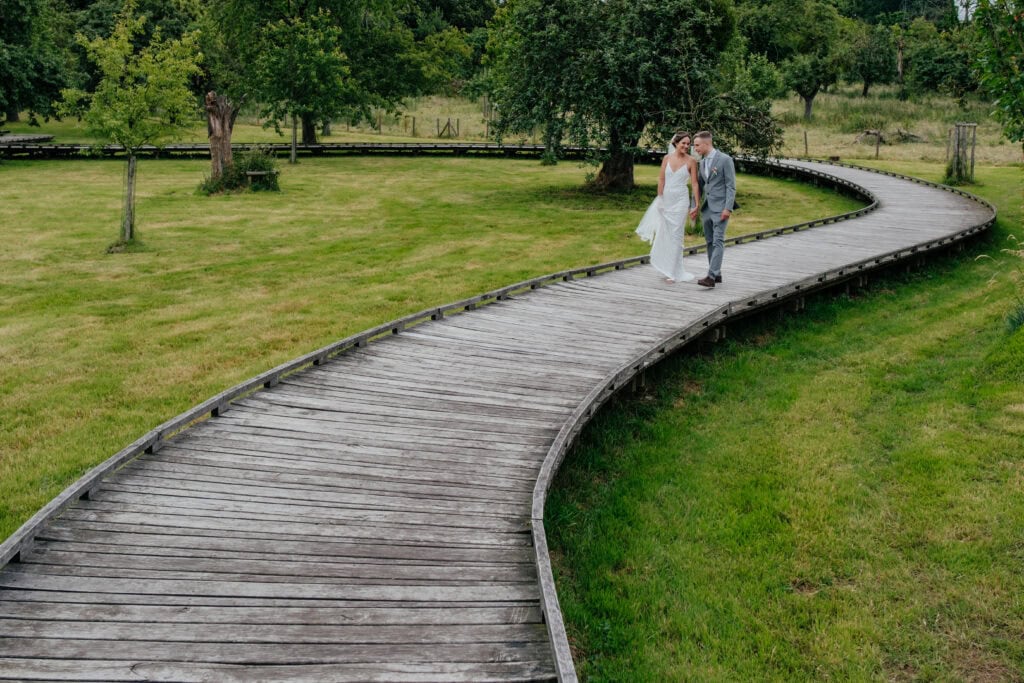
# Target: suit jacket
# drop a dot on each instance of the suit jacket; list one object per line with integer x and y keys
{"x": 718, "y": 192}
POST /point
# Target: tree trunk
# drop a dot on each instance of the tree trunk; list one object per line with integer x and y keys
{"x": 326, "y": 130}
{"x": 295, "y": 125}
{"x": 864, "y": 91}
{"x": 13, "y": 116}
{"x": 308, "y": 130}
{"x": 808, "y": 103}
{"x": 617, "y": 171}
{"x": 128, "y": 223}
{"x": 220, "y": 121}
{"x": 552, "y": 142}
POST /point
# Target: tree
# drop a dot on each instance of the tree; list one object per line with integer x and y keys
{"x": 35, "y": 59}
{"x": 1000, "y": 29}
{"x": 305, "y": 75}
{"x": 814, "y": 65}
{"x": 380, "y": 52}
{"x": 142, "y": 97}
{"x": 936, "y": 61}
{"x": 870, "y": 53}
{"x": 606, "y": 72}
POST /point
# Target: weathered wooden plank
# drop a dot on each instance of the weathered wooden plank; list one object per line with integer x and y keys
{"x": 352, "y": 531}
{"x": 274, "y": 546}
{"x": 185, "y": 672}
{"x": 227, "y": 633}
{"x": 270, "y": 615}
{"x": 189, "y": 503}
{"x": 275, "y": 653}
{"x": 498, "y": 592}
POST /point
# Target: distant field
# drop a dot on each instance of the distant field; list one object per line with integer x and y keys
{"x": 839, "y": 116}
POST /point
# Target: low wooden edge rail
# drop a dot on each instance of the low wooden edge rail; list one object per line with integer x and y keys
{"x": 621, "y": 377}
{"x": 219, "y": 404}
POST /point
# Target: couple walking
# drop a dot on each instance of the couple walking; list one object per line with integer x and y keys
{"x": 713, "y": 180}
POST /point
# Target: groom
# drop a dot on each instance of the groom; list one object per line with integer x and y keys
{"x": 717, "y": 178}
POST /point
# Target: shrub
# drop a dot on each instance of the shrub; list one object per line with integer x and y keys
{"x": 255, "y": 159}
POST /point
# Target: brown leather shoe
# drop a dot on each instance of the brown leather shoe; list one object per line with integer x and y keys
{"x": 706, "y": 281}
{"x": 718, "y": 279}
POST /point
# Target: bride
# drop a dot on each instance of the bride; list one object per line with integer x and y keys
{"x": 665, "y": 220}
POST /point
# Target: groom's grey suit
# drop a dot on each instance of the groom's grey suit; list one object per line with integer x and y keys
{"x": 717, "y": 193}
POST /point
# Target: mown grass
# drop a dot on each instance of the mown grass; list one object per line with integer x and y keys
{"x": 97, "y": 349}
{"x": 833, "y": 497}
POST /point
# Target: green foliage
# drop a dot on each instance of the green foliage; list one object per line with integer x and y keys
{"x": 447, "y": 61}
{"x": 869, "y": 54}
{"x": 1000, "y": 30}
{"x": 939, "y": 61}
{"x": 235, "y": 178}
{"x": 35, "y": 61}
{"x": 608, "y": 72}
{"x": 300, "y": 70}
{"x": 142, "y": 96}
{"x": 815, "y": 62}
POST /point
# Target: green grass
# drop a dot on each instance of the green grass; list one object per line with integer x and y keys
{"x": 97, "y": 349}
{"x": 840, "y": 115}
{"x": 835, "y": 497}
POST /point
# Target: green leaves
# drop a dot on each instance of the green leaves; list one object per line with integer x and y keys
{"x": 142, "y": 96}
{"x": 300, "y": 70}
{"x": 1000, "y": 31}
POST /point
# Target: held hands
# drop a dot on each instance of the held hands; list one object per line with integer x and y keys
{"x": 693, "y": 214}
{"x": 726, "y": 214}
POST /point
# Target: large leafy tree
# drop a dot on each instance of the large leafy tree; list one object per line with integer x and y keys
{"x": 607, "y": 72}
{"x": 379, "y": 50}
{"x": 870, "y": 54}
{"x": 939, "y": 61}
{"x": 1000, "y": 61}
{"x": 813, "y": 39}
{"x": 35, "y": 60}
{"x": 306, "y": 76}
{"x": 142, "y": 97}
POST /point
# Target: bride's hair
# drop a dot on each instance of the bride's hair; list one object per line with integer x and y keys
{"x": 679, "y": 136}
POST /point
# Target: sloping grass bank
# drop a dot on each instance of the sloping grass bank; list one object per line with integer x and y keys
{"x": 834, "y": 497}
{"x": 97, "y": 349}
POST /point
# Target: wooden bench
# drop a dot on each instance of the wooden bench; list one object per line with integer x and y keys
{"x": 249, "y": 175}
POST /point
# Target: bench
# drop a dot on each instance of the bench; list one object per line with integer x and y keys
{"x": 249, "y": 175}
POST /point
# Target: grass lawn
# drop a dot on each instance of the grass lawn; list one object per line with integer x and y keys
{"x": 97, "y": 349}
{"x": 834, "y": 497}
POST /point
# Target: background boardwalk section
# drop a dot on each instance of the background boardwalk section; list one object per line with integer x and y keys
{"x": 374, "y": 512}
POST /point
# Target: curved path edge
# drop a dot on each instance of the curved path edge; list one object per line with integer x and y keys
{"x": 980, "y": 216}
{"x": 152, "y": 440}
{"x": 614, "y": 381}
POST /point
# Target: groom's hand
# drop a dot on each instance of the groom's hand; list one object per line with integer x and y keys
{"x": 726, "y": 214}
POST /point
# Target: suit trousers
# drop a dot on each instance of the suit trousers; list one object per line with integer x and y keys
{"x": 714, "y": 236}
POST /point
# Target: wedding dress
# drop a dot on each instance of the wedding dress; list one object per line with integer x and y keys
{"x": 665, "y": 224}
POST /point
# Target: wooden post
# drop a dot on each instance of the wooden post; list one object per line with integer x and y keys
{"x": 380, "y": 123}
{"x": 807, "y": 154}
{"x": 414, "y": 126}
{"x": 974, "y": 140}
{"x": 295, "y": 136}
{"x": 457, "y": 127}
{"x": 439, "y": 128}
{"x": 128, "y": 225}
{"x": 949, "y": 136}
{"x": 878, "y": 141}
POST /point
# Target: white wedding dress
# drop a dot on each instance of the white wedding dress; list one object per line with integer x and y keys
{"x": 665, "y": 224}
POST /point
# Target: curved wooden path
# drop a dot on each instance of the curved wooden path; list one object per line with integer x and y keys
{"x": 376, "y": 512}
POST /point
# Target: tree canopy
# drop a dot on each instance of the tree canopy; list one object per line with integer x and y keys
{"x": 610, "y": 72}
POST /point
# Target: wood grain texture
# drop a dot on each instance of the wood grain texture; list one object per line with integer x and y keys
{"x": 378, "y": 515}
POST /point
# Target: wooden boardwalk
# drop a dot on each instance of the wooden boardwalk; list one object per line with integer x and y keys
{"x": 377, "y": 516}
